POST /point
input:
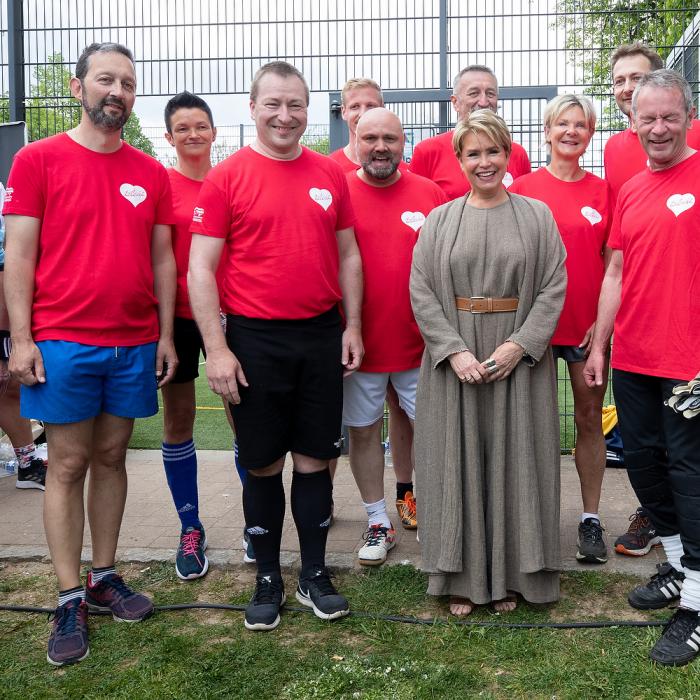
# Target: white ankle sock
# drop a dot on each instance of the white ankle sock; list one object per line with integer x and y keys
{"x": 690, "y": 593}
{"x": 376, "y": 513}
{"x": 674, "y": 550}
{"x": 585, "y": 516}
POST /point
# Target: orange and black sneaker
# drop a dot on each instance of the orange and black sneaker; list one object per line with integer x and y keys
{"x": 406, "y": 508}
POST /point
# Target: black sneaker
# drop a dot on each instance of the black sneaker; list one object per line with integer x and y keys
{"x": 33, "y": 476}
{"x": 591, "y": 545}
{"x": 68, "y": 642}
{"x": 316, "y": 591}
{"x": 663, "y": 588}
{"x": 191, "y": 561}
{"x": 263, "y": 611}
{"x": 680, "y": 642}
{"x": 640, "y": 536}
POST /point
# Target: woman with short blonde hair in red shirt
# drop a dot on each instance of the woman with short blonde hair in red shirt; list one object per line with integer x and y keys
{"x": 581, "y": 207}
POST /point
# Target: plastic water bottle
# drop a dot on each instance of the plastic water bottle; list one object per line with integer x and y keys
{"x": 388, "y": 462}
{"x": 8, "y": 460}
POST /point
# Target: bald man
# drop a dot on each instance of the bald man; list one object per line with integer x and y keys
{"x": 393, "y": 344}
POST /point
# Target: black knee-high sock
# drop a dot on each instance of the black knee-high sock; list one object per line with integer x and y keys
{"x": 263, "y": 507}
{"x": 312, "y": 495}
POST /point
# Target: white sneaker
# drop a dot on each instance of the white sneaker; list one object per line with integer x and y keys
{"x": 378, "y": 541}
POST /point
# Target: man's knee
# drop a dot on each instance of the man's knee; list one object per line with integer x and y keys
{"x": 364, "y": 435}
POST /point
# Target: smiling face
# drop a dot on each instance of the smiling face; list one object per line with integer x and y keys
{"x": 280, "y": 114}
{"x": 191, "y": 132}
{"x": 661, "y": 123}
{"x": 108, "y": 90}
{"x": 569, "y": 134}
{"x": 475, "y": 90}
{"x": 380, "y": 143}
{"x": 628, "y": 71}
{"x": 484, "y": 163}
{"x": 356, "y": 102}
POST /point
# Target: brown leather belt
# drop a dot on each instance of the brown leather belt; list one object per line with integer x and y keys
{"x": 486, "y": 305}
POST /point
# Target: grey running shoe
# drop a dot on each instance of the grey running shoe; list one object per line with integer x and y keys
{"x": 68, "y": 642}
{"x": 318, "y": 592}
{"x": 263, "y": 611}
{"x": 591, "y": 544}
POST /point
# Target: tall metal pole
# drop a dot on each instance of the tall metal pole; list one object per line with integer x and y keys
{"x": 15, "y": 54}
{"x": 444, "y": 77}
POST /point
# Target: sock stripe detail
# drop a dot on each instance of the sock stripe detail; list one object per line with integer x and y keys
{"x": 179, "y": 452}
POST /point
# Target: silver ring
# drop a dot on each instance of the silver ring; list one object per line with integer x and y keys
{"x": 492, "y": 368}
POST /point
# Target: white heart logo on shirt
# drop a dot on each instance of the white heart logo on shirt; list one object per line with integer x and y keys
{"x": 322, "y": 197}
{"x": 507, "y": 180}
{"x": 414, "y": 219}
{"x": 678, "y": 203}
{"x": 133, "y": 193}
{"x": 593, "y": 215}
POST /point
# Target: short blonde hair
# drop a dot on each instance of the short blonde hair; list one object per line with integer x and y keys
{"x": 357, "y": 84}
{"x": 482, "y": 122}
{"x": 557, "y": 106}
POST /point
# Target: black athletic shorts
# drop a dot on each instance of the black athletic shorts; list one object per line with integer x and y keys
{"x": 188, "y": 345}
{"x": 294, "y": 401}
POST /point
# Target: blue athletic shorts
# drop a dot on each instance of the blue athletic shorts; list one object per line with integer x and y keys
{"x": 83, "y": 381}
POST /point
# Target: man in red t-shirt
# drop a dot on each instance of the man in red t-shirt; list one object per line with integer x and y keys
{"x": 284, "y": 215}
{"x": 624, "y": 156}
{"x": 475, "y": 87}
{"x": 357, "y": 96}
{"x": 392, "y": 341}
{"x": 90, "y": 287}
{"x": 651, "y": 293}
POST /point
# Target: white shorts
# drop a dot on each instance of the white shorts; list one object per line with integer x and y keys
{"x": 364, "y": 394}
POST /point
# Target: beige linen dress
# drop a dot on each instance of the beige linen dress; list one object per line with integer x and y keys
{"x": 487, "y": 456}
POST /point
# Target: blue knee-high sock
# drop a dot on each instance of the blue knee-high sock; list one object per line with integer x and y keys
{"x": 180, "y": 462}
{"x": 242, "y": 473}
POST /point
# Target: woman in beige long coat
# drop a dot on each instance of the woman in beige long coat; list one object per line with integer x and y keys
{"x": 487, "y": 287}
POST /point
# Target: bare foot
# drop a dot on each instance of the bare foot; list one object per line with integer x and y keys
{"x": 507, "y": 604}
{"x": 460, "y": 607}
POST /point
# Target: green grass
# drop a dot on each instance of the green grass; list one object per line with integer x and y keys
{"x": 211, "y": 431}
{"x": 208, "y": 654}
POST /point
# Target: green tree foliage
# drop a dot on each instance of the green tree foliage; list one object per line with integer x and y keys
{"x": 51, "y": 109}
{"x": 595, "y": 28}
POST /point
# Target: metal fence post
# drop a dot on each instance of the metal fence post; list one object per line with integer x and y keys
{"x": 15, "y": 56}
{"x": 444, "y": 113}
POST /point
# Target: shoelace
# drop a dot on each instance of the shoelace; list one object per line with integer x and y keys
{"x": 67, "y": 618}
{"x": 410, "y": 502}
{"x": 267, "y": 591}
{"x": 375, "y": 535}
{"x": 190, "y": 542}
{"x": 637, "y": 522}
{"x": 322, "y": 581}
{"x": 116, "y": 582}
{"x": 592, "y": 532}
{"x": 682, "y": 625}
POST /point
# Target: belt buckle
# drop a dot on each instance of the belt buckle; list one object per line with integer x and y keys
{"x": 471, "y": 299}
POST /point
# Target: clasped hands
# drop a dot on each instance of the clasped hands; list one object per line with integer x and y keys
{"x": 500, "y": 363}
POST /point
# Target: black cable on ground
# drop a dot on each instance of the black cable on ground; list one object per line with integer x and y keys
{"x": 600, "y": 624}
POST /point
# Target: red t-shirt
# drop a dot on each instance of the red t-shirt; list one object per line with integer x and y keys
{"x": 185, "y": 192}
{"x": 583, "y": 213}
{"x": 657, "y": 228}
{"x": 390, "y": 334}
{"x": 435, "y": 159}
{"x": 624, "y": 156}
{"x": 348, "y": 166}
{"x": 94, "y": 276}
{"x": 279, "y": 219}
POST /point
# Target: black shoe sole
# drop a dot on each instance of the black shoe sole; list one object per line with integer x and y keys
{"x": 644, "y": 605}
{"x": 590, "y": 559}
{"x": 668, "y": 661}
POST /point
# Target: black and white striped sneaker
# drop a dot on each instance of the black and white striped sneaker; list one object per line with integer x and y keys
{"x": 680, "y": 642}
{"x": 663, "y": 589}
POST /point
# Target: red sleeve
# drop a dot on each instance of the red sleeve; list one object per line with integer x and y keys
{"x": 212, "y": 213}
{"x": 615, "y": 237}
{"x": 24, "y": 194}
{"x": 419, "y": 163}
{"x": 522, "y": 165}
{"x": 164, "y": 208}
{"x": 346, "y": 214}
